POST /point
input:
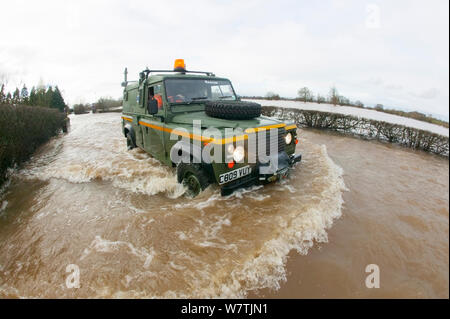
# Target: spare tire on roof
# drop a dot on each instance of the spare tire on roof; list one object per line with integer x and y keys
{"x": 233, "y": 110}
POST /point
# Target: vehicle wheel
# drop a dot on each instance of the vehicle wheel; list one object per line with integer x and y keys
{"x": 233, "y": 110}
{"x": 193, "y": 177}
{"x": 130, "y": 142}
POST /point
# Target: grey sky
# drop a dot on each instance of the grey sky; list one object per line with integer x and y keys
{"x": 390, "y": 52}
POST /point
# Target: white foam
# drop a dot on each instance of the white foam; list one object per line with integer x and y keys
{"x": 80, "y": 158}
{"x": 268, "y": 268}
{"x": 175, "y": 266}
{"x": 106, "y": 246}
{"x": 181, "y": 235}
{"x": 3, "y": 205}
{"x": 4, "y": 187}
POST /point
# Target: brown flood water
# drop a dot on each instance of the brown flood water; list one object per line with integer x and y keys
{"x": 123, "y": 220}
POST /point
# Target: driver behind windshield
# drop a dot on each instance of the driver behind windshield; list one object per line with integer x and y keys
{"x": 190, "y": 90}
{"x": 186, "y": 92}
{"x": 181, "y": 92}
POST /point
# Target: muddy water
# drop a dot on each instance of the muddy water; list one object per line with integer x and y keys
{"x": 123, "y": 220}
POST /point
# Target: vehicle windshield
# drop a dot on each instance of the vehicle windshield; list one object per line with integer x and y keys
{"x": 186, "y": 91}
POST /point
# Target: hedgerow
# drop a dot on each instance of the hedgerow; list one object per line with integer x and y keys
{"x": 22, "y": 130}
{"x": 366, "y": 128}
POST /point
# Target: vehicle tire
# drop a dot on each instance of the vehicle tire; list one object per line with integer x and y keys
{"x": 130, "y": 142}
{"x": 193, "y": 177}
{"x": 233, "y": 110}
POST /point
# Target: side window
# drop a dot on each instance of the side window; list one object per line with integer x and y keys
{"x": 155, "y": 92}
{"x": 140, "y": 98}
{"x": 157, "y": 89}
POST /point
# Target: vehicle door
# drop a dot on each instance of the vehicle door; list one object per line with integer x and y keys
{"x": 153, "y": 124}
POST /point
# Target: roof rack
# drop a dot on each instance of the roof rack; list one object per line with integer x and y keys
{"x": 147, "y": 72}
{"x": 179, "y": 68}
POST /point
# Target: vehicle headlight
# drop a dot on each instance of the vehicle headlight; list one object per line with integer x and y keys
{"x": 288, "y": 138}
{"x": 238, "y": 154}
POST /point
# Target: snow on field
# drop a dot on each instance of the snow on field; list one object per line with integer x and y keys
{"x": 362, "y": 113}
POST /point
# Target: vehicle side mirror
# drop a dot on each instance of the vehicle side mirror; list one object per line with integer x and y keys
{"x": 152, "y": 106}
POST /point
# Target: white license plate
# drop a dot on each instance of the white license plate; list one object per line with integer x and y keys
{"x": 233, "y": 175}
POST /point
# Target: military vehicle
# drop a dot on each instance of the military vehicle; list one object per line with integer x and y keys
{"x": 194, "y": 121}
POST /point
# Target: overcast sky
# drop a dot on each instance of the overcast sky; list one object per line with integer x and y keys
{"x": 391, "y": 52}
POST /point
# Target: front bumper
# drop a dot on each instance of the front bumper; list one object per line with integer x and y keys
{"x": 261, "y": 175}
{"x": 295, "y": 158}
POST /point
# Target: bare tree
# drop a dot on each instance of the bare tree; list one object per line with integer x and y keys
{"x": 334, "y": 96}
{"x": 358, "y": 103}
{"x": 320, "y": 99}
{"x": 305, "y": 94}
{"x": 272, "y": 96}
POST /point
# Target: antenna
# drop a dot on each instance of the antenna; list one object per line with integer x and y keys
{"x": 125, "y": 82}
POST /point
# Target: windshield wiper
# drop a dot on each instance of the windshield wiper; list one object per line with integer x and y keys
{"x": 225, "y": 96}
{"x": 199, "y": 98}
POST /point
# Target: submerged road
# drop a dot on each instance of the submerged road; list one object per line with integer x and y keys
{"x": 121, "y": 219}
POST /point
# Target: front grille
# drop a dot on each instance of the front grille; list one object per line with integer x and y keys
{"x": 272, "y": 142}
{"x": 275, "y": 142}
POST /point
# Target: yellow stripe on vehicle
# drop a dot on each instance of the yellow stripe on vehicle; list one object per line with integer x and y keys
{"x": 291, "y": 127}
{"x": 180, "y": 133}
{"x": 264, "y": 128}
{"x": 209, "y": 139}
{"x": 127, "y": 119}
{"x": 230, "y": 139}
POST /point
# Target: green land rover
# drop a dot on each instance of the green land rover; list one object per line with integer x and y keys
{"x": 194, "y": 121}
